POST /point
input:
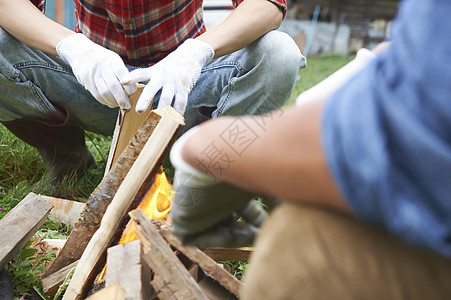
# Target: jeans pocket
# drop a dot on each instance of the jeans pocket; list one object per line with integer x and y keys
{"x": 8, "y": 71}
{"x": 24, "y": 100}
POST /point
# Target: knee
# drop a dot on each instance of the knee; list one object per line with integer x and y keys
{"x": 279, "y": 62}
{"x": 281, "y": 53}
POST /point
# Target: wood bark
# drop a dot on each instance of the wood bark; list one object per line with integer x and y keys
{"x": 19, "y": 225}
{"x": 145, "y": 165}
{"x": 99, "y": 200}
{"x": 125, "y": 266}
{"x": 167, "y": 267}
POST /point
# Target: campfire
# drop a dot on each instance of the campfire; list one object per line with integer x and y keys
{"x": 125, "y": 226}
{"x": 156, "y": 204}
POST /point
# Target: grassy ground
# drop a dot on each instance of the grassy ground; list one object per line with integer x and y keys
{"x": 22, "y": 169}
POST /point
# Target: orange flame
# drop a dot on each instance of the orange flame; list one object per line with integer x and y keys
{"x": 155, "y": 205}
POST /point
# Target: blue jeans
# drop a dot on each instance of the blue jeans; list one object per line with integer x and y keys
{"x": 253, "y": 80}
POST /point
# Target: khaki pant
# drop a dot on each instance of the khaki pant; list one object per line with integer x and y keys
{"x": 310, "y": 253}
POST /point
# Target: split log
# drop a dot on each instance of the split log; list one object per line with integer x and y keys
{"x": 65, "y": 211}
{"x": 208, "y": 265}
{"x": 95, "y": 207}
{"x": 126, "y": 127}
{"x": 145, "y": 165}
{"x": 51, "y": 283}
{"x": 224, "y": 254}
{"x": 19, "y": 225}
{"x": 114, "y": 292}
{"x": 125, "y": 266}
{"x": 164, "y": 262}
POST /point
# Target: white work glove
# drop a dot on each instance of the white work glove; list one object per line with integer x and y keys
{"x": 98, "y": 69}
{"x": 328, "y": 86}
{"x": 205, "y": 210}
{"x": 175, "y": 75}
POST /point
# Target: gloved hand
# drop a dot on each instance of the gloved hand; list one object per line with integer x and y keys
{"x": 205, "y": 210}
{"x": 175, "y": 75}
{"x": 98, "y": 69}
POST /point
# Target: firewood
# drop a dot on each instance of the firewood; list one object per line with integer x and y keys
{"x": 126, "y": 127}
{"x": 51, "y": 283}
{"x": 211, "y": 288}
{"x": 224, "y": 254}
{"x": 19, "y": 225}
{"x": 99, "y": 200}
{"x": 214, "y": 290}
{"x": 125, "y": 266}
{"x": 164, "y": 262}
{"x": 145, "y": 165}
{"x": 65, "y": 211}
{"x": 207, "y": 264}
{"x": 114, "y": 292}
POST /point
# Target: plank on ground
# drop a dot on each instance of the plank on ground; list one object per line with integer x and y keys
{"x": 19, "y": 225}
{"x": 65, "y": 211}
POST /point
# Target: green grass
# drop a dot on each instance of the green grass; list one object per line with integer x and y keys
{"x": 22, "y": 170}
{"x": 317, "y": 69}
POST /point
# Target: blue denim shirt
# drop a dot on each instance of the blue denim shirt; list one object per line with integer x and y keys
{"x": 387, "y": 132}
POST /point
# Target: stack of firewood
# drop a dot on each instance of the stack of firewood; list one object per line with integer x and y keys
{"x": 157, "y": 266}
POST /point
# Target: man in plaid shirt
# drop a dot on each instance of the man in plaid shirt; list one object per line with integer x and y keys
{"x": 55, "y": 83}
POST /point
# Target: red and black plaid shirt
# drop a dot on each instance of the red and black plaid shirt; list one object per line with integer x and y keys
{"x": 142, "y": 32}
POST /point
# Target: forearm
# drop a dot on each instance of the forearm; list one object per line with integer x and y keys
{"x": 26, "y": 23}
{"x": 279, "y": 154}
{"x": 249, "y": 21}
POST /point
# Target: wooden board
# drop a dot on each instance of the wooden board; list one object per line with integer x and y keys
{"x": 65, "y": 211}
{"x": 51, "y": 283}
{"x": 224, "y": 254}
{"x": 125, "y": 266}
{"x": 167, "y": 267}
{"x": 206, "y": 263}
{"x": 19, "y": 225}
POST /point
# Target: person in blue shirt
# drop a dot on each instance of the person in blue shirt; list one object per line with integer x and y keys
{"x": 363, "y": 169}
